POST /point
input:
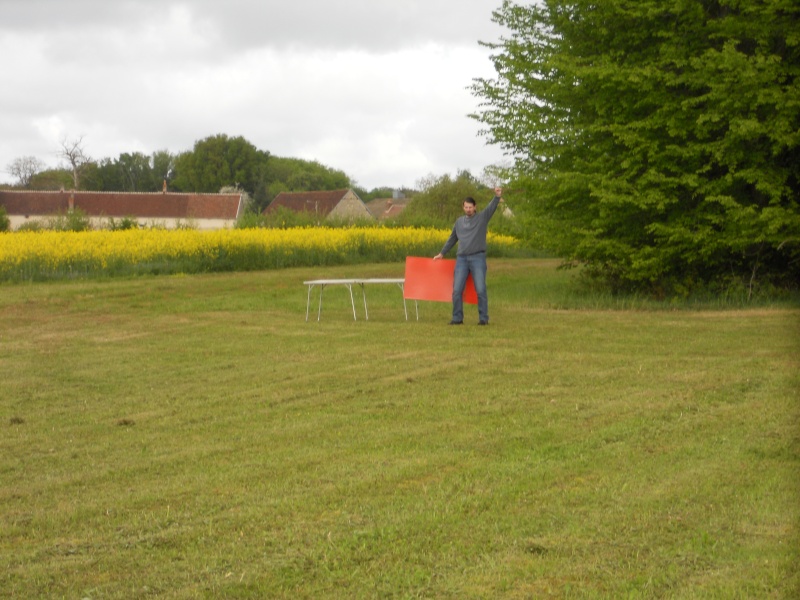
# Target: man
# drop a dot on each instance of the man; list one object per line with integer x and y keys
{"x": 470, "y": 233}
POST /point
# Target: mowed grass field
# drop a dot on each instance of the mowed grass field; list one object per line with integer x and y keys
{"x": 195, "y": 437}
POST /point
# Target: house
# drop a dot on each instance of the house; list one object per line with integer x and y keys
{"x": 386, "y": 208}
{"x": 335, "y": 204}
{"x": 167, "y": 209}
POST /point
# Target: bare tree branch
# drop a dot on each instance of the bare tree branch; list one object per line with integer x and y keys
{"x": 72, "y": 151}
{"x": 24, "y": 168}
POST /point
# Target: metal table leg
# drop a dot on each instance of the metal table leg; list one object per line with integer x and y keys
{"x": 364, "y": 294}
{"x": 319, "y": 311}
{"x": 352, "y": 302}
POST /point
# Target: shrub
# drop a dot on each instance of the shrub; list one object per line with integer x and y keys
{"x": 72, "y": 220}
{"x": 123, "y": 224}
{"x": 250, "y": 220}
{"x": 32, "y": 225}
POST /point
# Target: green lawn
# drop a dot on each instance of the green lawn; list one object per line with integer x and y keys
{"x": 194, "y": 437}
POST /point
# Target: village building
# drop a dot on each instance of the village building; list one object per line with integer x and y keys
{"x": 159, "y": 209}
{"x": 387, "y": 208}
{"x": 336, "y": 204}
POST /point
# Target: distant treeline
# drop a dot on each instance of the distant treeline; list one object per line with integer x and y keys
{"x": 214, "y": 163}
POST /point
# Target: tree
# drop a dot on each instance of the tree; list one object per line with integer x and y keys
{"x": 380, "y": 192}
{"x": 136, "y": 172}
{"x": 5, "y": 222}
{"x": 102, "y": 176}
{"x": 24, "y": 168}
{"x": 281, "y": 174}
{"x": 72, "y": 151}
{"x": 130, "y": 172}
{"x": 163, "y": 166}
{"x": 51, "y": 179}
{"x": 441, "y": 197}
{"x": 301, "y": 175}
{"x": 658, "y": 142}
{"x": 93, "y": 176}
{"x": 219, "y": 161}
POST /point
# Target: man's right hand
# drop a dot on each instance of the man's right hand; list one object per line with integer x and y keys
{"x": 438, "y": 256}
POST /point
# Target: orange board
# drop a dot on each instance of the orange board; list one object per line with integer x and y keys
{"x": 428, "y": 279}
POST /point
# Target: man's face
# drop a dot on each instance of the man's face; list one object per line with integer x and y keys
{"x": 469, "y": 209}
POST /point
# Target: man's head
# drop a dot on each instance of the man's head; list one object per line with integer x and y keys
{"x": 469, "y": 206}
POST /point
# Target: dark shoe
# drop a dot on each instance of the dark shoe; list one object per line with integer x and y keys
{"x": 456, "y": 323}
{"x": 483, "y": 322}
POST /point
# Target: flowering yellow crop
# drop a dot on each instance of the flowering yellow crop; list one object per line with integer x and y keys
{"x": 33, "y": 255}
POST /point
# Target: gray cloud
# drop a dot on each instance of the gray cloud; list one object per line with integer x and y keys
{"x": 375, "y": 88}
{"x": 377, "y": 25}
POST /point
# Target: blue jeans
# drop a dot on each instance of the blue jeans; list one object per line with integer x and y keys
{"x": 466, "y": 264}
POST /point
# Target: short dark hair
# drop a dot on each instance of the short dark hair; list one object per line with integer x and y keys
{"x": 469, "y": 200}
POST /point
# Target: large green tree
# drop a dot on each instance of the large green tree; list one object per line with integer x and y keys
{"x": 163, "y": 165}
{"x": 657, "y": 141}
{"x": 135, "y": 171}
{"x": 130, "y": 172}
{"x": 219, "y": 161}
{"x": 440, "y": 198}
{"x": 51, "y": 179}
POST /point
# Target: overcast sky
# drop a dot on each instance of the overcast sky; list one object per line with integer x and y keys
{"x": 376, "y": 88}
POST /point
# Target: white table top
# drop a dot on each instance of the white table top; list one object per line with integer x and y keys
{"x": 350, "y": 281}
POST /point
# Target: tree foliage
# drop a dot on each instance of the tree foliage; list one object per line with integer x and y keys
{"x": 303, "y": 175}
{"x": 283, "y": 174}
{"x": 130, "y": 172}
{"x": 440, "y": 197}
{"x": 5, "y": 222}
{"x": 51, "y": 179}
{"x": 658, "y": 142}
{"x": 380, "y": 192}
{"x": 219, "y": 161}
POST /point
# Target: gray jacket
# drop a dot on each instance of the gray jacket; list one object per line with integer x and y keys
{"x": 470, "y": 232}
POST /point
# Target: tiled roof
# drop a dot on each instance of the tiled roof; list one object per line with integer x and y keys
{"x": 154, "y": 205}
{"x": 321, "y": 203}
{"x": 384, "y": 208}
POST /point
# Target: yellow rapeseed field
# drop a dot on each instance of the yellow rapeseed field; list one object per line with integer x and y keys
{"x": 46, "y": 254}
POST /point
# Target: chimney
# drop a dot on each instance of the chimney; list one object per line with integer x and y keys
{"x": 71, "y": 201}
{"x": 164, "y": 187}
